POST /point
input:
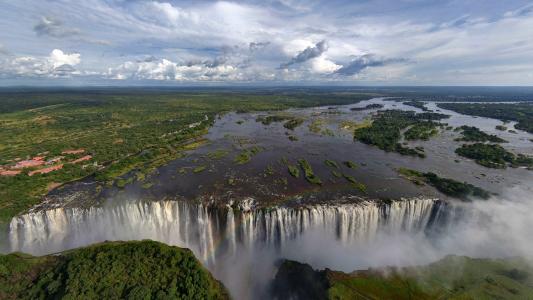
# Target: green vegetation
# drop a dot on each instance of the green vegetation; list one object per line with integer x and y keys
{"x": 501, "y": 127}
{"x": 493, "y": 156}
{"x": 360, "y": 186}
{"x": 317, "y": 126}
{"x": 453, "y": 277}
{"x": 385, "y": 131}
{"x": 293, "y": 123}
{"x": 246, "y": 155}
{"x": 218, "y": 154}
{"x": 367, "y": 107}
{"x": 294, "y": 171}
{"x": 336, "y": 173}
{"x": 111, "y": 270}
{"x": 450, "y": 187}
{"x": 473, "y": 134}
{"x": 349, "y": 178}
{"x": 308, "y": 172}
{"x": 267, "y": 120}
{"x": 122, "y": 130}
{"x": 199, "y": 169}
{"x": 331, "y": 163}
{"x": 350, "y": 164}
{"x": 522, "y": 113}
{"x": 269, "y": 170}
{"x": 417, "y": 104}
{"x": 421, "y": 131}
{"x": 352, "y": 126}
{"x": 293, "y": 138}
{"x": 147, "y": 185}
{"x": 121, "y": 182}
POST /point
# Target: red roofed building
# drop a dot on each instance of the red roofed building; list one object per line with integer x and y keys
{"x": 74, "y": 151}
{"x": 9, "y": 172}
{"x": 84, "y": 158}
{"x": 46, "y": 170}
{"x": 28, "y": 164}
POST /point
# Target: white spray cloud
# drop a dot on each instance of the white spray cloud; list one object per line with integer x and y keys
{"x": 499, "y": 227}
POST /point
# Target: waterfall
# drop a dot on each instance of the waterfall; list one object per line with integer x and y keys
{"x": 211, "y": 231}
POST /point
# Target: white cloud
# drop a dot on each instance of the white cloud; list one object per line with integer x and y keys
{"x": 57, "y": 64}
{"x": 58, "y": 58}
{"x": 323, "y": 65}
{"x": 444, "y": 39}
{"x": 164, "y": 69}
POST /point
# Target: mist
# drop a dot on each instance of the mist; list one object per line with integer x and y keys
{"x": 499, "y": 227}
{"x": 496, "y": 228}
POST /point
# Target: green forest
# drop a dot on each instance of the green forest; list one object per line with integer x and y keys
{"x": 110, "y": 270}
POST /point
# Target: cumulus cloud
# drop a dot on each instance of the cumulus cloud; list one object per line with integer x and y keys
{"x": 164, "y": 69}
{"x": 365, "y": 61}
{"x": 57, "y": 64}
{"x": 54, "y": 28}
{"x": 59, "y": 58}
{"x": 307, "y": 54}
{"x": 322, "y": 64}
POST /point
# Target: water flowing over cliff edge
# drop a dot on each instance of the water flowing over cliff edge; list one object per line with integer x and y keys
{"x": 211, "y": 232}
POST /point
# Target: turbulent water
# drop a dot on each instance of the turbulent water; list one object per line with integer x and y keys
{"x": 211, "y": 232}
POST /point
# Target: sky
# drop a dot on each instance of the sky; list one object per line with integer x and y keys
{"x": 278, "y": 42}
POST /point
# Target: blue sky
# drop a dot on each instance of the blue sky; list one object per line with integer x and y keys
{"x": 365, "y": 42}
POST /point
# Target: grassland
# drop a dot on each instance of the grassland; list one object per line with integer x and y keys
{"x": 122, "y": 131}
{"x": 453, "y": 277}
{"x": 111, "y": 270}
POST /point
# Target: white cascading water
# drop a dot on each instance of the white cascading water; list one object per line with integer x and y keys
{"x": 210, "y": 232}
